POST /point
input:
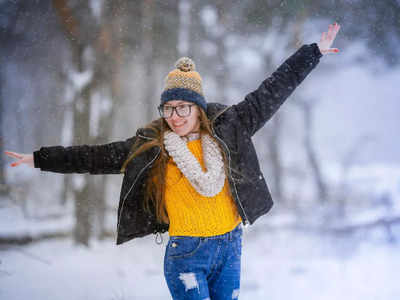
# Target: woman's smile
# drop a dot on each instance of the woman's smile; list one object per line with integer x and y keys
{"x": 184, "y": 125}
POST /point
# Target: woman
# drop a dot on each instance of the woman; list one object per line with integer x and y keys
{"x": 193, "y": 172}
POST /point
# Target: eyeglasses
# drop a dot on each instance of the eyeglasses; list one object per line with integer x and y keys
{"x": 182, "y": 110}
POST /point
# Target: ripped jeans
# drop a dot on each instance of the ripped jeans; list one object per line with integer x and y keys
{"x": 206, "y": 268}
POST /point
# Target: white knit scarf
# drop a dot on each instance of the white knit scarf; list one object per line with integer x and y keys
{"x": 208, "y": 183}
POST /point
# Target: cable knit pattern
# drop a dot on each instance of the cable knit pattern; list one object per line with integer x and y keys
{"x": 190, "y": 213}
{"x": 207, "y": 183}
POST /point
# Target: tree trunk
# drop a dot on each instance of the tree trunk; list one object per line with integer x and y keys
{"x": 148, "y": 12}
{"x": 3, "y": 187}
{"x": 104, "y": 40}
{"x": 274, "y": 145}
{"x": 307, "y": 109}
{"x": 109, "y": 66}
{"x": 310, "y": 152}
{"x": 222, "y": 74}
{"x": 80, "y": 40}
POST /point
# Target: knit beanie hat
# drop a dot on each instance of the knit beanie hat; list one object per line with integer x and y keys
{"x": 184, "y": 83}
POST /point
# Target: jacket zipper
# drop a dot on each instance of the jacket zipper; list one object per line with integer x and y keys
{"x": 133, "y": 184}
{"x": 246, "y": 219}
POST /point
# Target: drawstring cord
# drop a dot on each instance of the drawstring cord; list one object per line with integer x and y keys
{"x": 158, "y": 239}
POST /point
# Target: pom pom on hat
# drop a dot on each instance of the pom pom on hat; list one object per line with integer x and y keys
{"x": 184, "y": 83}
{"x": 185, "y": 64}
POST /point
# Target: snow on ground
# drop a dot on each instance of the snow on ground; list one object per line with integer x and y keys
{"x": 14, "y": 224}
{"x": 275, "y": 265}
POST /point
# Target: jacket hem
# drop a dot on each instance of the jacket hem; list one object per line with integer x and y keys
{"x": 261, "y": 213}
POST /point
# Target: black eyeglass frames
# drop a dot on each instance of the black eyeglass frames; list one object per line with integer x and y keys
{"x": 182, "y": 110}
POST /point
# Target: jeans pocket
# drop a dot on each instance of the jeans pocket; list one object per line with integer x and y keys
{"x": 180, "y": 247}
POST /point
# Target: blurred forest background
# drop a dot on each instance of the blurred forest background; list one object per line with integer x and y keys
{"x": 91, "y": 72}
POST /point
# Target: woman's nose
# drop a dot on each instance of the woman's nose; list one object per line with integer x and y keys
{"x": 175, "y": 115}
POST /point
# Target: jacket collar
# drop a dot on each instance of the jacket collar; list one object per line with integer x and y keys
{"x": 214, "y": 110}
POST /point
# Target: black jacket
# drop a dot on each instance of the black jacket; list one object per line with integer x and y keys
{"x": 233, "y": 126}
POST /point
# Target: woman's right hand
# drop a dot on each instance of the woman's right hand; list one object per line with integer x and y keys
{"x": 21, "y": 158}
{"x": 327, "y": 39}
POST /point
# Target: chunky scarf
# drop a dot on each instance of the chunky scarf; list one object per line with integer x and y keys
{"x": 208, "y": 183}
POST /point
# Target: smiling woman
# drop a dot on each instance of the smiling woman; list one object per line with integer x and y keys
{"x": 184, "y": 94}
{"x": 178, "y": 173}
{"x": 186, "y": 118}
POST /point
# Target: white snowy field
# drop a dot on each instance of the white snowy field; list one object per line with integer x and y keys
{"x": 276, "y": 264}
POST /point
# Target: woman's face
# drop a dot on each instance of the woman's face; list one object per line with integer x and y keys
{"x": 183, "y": 125}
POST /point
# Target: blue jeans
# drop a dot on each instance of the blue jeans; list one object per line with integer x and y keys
{"x": 206, "y": 268}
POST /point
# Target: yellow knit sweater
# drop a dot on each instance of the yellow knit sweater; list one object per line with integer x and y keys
{"x": 191, "y": 214}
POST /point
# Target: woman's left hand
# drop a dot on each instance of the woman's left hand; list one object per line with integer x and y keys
{"x": 327, "y": 39}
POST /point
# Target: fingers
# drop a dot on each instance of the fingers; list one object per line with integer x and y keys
{"x": 330, "y": 50}
{"x": 13, "y": 154}
{"x": 333, "y": 50}
{"x": 17, "y": 163}
{"x": 329, "y": 33}
{"x": 17, "y": 156}
{"x": 333, "y": 30}
{"x": 327, "y": 39}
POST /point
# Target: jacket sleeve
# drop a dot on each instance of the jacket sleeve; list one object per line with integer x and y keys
{"x": 260, "y": 105}
{"x": 95, "y": 159}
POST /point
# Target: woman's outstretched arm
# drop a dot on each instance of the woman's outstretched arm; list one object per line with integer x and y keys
{"x": 94, "y": 159}
{"x": 261, "y": 104}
